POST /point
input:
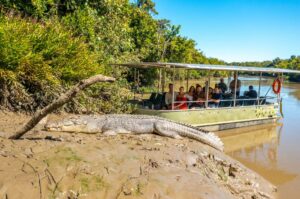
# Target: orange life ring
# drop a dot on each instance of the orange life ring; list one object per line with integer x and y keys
{"x": 276, "y": 86}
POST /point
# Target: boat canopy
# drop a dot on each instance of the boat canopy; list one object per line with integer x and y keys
{"x": 207, "y": 67}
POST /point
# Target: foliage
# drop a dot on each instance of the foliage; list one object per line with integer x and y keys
{"x": 46, "y": 46}
{"x": 105, "y": 98}
{"x": 292, "y": 63}
{"x": 38, "y": 60}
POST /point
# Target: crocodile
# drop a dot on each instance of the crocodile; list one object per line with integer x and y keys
{"x": 113, "y": 124}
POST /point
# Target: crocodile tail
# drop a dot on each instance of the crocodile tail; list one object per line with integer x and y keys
{"x": 190, "y": 131}
{"x": 205, "y": 137}
{"x": 210, "y": 139}
{"x": 185, "y": 131}
{"x": 216, "y": 141}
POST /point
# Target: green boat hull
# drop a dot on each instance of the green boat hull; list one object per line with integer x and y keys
{"x": 219, "y": 118}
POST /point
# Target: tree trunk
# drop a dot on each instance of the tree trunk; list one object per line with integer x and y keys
{"x": 64, "y": 98}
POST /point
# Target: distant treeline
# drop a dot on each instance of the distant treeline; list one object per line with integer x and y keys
{"x": 48, "y": 45}
{"x": 292, "y": 63}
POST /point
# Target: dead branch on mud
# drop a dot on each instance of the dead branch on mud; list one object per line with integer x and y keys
{"x": 64, "y": 98}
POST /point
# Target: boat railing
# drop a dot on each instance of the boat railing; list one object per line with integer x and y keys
{"x": 209, "y": 103}
{"x": 255, "y": 101}
{"x": 228, "y": 100}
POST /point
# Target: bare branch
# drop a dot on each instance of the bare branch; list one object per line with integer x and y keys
{"x": 64, "y": 98}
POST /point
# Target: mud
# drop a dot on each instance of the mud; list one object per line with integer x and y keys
{"x": 64, "y": 165}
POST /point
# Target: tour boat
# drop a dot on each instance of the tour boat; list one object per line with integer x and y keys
{"x": 231, "y": 111}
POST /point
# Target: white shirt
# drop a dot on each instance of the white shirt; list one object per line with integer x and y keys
{"x": 189, "y": 97}
{"x": 168, "y": 98}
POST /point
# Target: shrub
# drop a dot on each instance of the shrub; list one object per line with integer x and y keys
{"x": 38, "y": 61}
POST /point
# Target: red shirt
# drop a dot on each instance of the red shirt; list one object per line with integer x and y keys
{"x": 183, "y": 104}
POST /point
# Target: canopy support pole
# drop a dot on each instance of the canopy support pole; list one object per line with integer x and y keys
{"x": 173, "y": 92}
{"x": 138, "y": 78}
{"x": 187, "y": 80}
{"x": 159, "y": 81}
{"x": 135, "y": 83}
{"x": 163, "y": 80}
{"x": 235, "y": 87}
{"x": 259, "y": 87}
{"x": 207, "y": 90}
{"x": 138, "y": 81}
{"x": 281, "y": 79}
{"x": 228, "y": 79}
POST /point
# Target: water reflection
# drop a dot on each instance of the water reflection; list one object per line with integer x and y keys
{"x": 257, "y": 148}
{"x": 294, "y": 91}
{"x": 244, "y": 138}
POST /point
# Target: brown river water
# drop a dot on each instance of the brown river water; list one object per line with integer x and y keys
{"x": 273, "y": 151}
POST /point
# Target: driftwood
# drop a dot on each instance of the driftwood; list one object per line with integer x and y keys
{"x": 64, "y": 98}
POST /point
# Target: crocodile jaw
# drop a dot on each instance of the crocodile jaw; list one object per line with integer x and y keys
{"x": 67, "y": 128}
{"x": 53, "y": 128}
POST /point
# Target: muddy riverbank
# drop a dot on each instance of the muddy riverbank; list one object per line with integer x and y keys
{"x": 63, "y": 165}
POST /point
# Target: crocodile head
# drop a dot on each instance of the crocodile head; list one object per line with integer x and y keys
{"x": 76, "y": 124}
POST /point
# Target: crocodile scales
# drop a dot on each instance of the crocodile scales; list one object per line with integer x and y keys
{"x": 137, "y": 124}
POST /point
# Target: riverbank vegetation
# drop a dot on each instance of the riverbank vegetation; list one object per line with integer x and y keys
{"x": 292, "y": 63}
{"x": 48, "y": 45}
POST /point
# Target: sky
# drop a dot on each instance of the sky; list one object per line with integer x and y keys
{"x": 237, "y": 30}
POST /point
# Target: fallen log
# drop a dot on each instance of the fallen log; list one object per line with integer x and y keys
{"x": 64, "y": 98}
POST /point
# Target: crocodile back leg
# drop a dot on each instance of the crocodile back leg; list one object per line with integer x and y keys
{"x": 162, "y": 129}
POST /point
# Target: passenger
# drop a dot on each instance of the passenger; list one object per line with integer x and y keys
{"x": 210, "y": 90}
{"x": 222, "y": 85}
{"x": 251, "y": 93}
{"x": 168, "y": 96}
{"x": 198, "y": 92}
{"x": 209, "y": 97}
{"x": 181, "y": 100}
{"x": 216, "y": 95}
{"x": 200, "y": 97}
{"x": 191, "y": 93}
{"x": 238, "y": 85}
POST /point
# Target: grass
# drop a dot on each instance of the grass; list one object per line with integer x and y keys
{"x": 138, "y": 189}
{"x": 84, "y": 183}
{"x": 63, "y": 156}
{"x": 99, "y": 182}
{"x": 92, "y": 184}
{"x": 222, "y": 174}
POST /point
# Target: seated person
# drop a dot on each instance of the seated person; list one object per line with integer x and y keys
{"x": 190, "y": 94}
{"x": 251, "y": 93}
{"x": 149, "y": 103}
{"x": 199, "y": 93}
{"x": 238, "y": 85}
{"x": 168, "y": 97}
{"x": 181, "y": 100}
{"x": 216, "y": 94}
{"x": 199, "y": 96}
{"x": 222, "y": 86}
{"x": 210, "y": 90}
